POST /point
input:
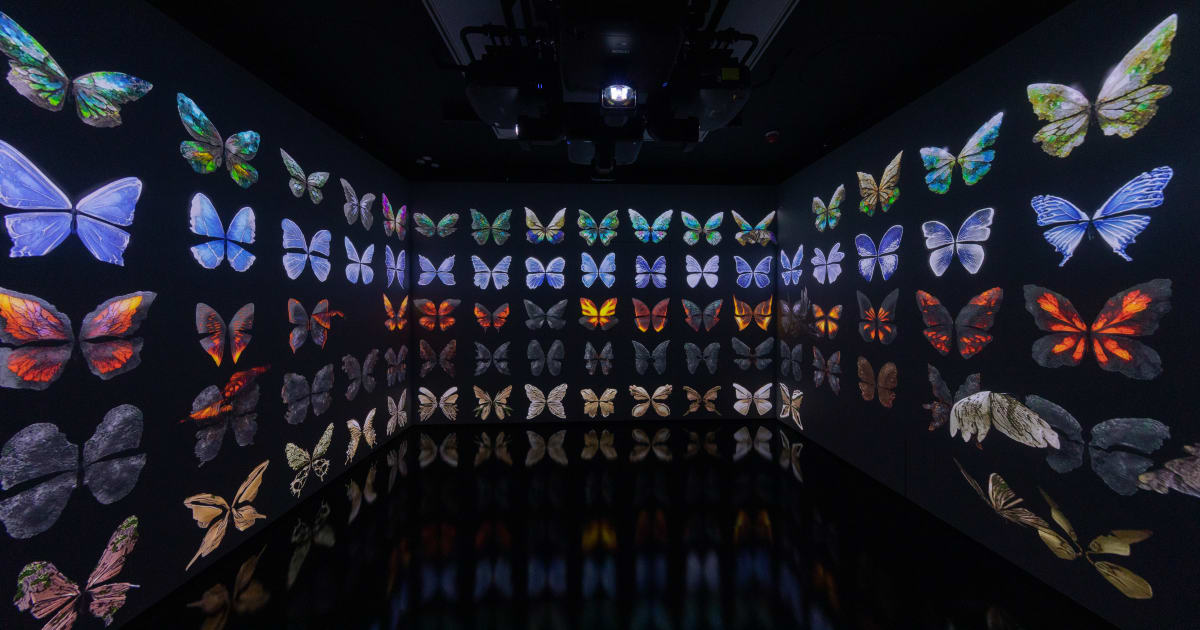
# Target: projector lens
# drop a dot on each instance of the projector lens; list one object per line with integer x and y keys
{"x": 618, "y": 97}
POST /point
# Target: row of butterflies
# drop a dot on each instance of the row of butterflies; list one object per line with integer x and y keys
{"x": 646, "y": 274}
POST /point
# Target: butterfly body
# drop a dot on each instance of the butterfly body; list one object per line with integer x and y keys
{"x": 435, "y": 316}
{"x": 216, "y": 409}
{"x": 494, "y": 319}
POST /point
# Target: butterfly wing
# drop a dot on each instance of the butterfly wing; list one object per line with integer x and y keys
{"x": 939, "y": 327}
{"x": 975, "y": 230}
{"x": 1071, "y": 223}
{"x": 940, "y": 241}
{"x": 204, "y": 221}
{"x": 34, "y": 73}
{"x": 1126, "y": 103}
{"x": 205, "y": 153}
{"x": 240, "y": 148}
{"x": 975, "y": 320}
{"x": 940, "y": 166}
{"x": 1144, "y": 191}
{"x": 1134, "y": 312}
{"x": 99, "y": 96}
{"x": 210, "y": 324}
{"x": 975, "y": 158}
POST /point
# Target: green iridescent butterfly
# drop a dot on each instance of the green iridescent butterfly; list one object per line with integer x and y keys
{"x": 694, "y": 231}
{"x": 975, "y": 159}
{"x": 38, "y": 77}
{"x": 443, "y": 228}
{"x": 1125, "y": 105}
{"x": 604, "y": 231}
{"x": 206, "y": 152}
{"x": 481, "y": 228}
{"x": 828, "y": 216}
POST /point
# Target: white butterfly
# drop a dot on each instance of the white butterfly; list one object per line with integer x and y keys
{"x": 759, "y": 274}
{"x": 443, "y": 272}
{"x": 552, "y": 400}
{"x": 397, "y": 412}
{"x": 359, "y": 265}
{"x": 760, "y": 443}
{"x": 827, "y": 268}
{"x": 294, "y": 262}
{"x": 744, "y": 398}
{"x": 707, "y": 273}
{"x": 497, "y": 276}
{"x": 789, "y": 269}
{"x": 944, "y": 244}
{"x": 364, "y": 432}
{"x": 397, "y": 266}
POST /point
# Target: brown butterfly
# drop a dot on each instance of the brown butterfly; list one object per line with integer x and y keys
{"x": 212, "y": 513}
{"x": 882, "y": 385}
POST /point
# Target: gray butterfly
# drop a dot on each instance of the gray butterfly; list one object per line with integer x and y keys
{"x": 759, "y": 356}
{"x": 358, "y": 209}
{"x": 551, "y": 317}
{"x": 602, "y": 359}
{"x": 485, "y": 359}
{"x": 540, "y": 360}
{"x": 708, "y": 356}
{"x": 643, "y": 357}
{"x": 361, "y": 375}
{"x": 298, "y": 395}
{"x": 789, "y": 360}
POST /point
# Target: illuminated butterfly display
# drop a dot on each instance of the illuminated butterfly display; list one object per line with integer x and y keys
{"x": 206, "y": 151}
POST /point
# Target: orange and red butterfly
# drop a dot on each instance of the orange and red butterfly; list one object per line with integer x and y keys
{"x": 493, "y": 320}
{"x": 760, "y": 314}
{"x": 218, "y": 336}
{"x": 305, "y": 326}
{"x": 602, "y": 317}
{"x": 878, "y": 323}
{"x": 827, "y": 321}
{"x": 648, "y": 318}
{"x": 435, "y": 315}
{"x": 970, "y": 328}
{"x": 397, "y": 318}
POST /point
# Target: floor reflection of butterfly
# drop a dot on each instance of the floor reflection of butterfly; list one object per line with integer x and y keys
{"x": 1124, "y": 106}
{"x": 827, "y": 370}
{"x": 760, "y": 314}
{"x": 694, "y": 231}
{"x": 646, "y": 273}
{"x": 488, "y": 404}
{"x": 758, "y": 234}
{"x": 443, "y": 358}
{"x": 360, "y": 433}
{"x": 939, "y": 408}
{"x": 394, "y": 222}
{"x": 397, "y": 365}
{"x": 361, "y": 375}
{"x": 1134, "y": 312}
{"x": 96, "y": 219}
{"x": 789, "y": 454}
{"x": 45, "y": 592}
{"x": 436, "y": 316}
{"x": 970, "y": 328}
{"x": 829, "y": 215}
{"x": 744, "y": 443}
{"x": 550, "y": 273}
{"x": 647, "y": 318}
{"x": 883, "y": 194}
{"x": 644, "y": 400}
{"x": 298, "y": 182}
{"x": 789, "y": 268}
{"x": 397, "y": 318}
{"x": 397, "y": 461}
{"x": 206, "y": 151}
{"x": 647, "y": 232}
{"x": 789, "y": 406}
{"x": 885, "y": 256}
{"x": 215, "y": 409}
{"x": 643, "y": 444}
{"x": 697, "y": 317}
{"x": 759, "y": 274}
{"x": 486, "y": 448}
{"x": 294, "y": 262}
{"x": 697, "y": 401}
{"x": 758, "y": 357}
{"x": 552, "y": 400}
{"x": 826, "y": 269}
{"x": 540, "y": 447}
{"x": 550, "y": 232}
{"x": 602, "y": 443}
{"x": 486, "y": 359}
{"x": 496, "y": 276}
{"x": 604, "y": 272}
{"x": 759, "y": 399}
{"x": 445, "y": 226}
{"x": 878, "y": 324}
{"x": 602, "y": 359}
{"x": 604, "y": 231}
{"x": 482, "y": 229}
{"x": 306, "y": 463}
{"x": 881, "y": 386}
{"x": 967, "y": 243}
{"x": 431, "y": 451}
{"x": 396, "y": 266}
{"x": 545, "y": 360}
{"x": 593, "y": 317}
{"x": 428, "y": 402}
{"x": 304, "y": 535}
{"x": 359, "y": 265}
{"x": 975, "y": 159}
{"x": 826, "y": 322}
{"x": 643, "y": 357}
{"x": 397, "y": 412}
{"x": 247, "y": 597}
{"x": 443, "y": 273}
{"x": 299, "y": 395}
{"x": 708, "y": 272}
{"x": 598, "y": 403}
{"x": 218, "y": 336}
{"x": 356, "y": 494}
{"x": 212, "y": 513}
{"x": 790, "y": 359}
{"x": 227, "y": 244}
{"x": 357, "y": 209}
{"x": 551, "y": 317}
{"x": 708, "y": 356}
{"x": 49, "y": 467}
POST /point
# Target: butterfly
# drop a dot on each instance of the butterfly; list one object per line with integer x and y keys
{"x": 445, "y": 226}
{"x": 396, "y": 266}
{"x": 357, "y": 209}
{"x": 882, "y": 195}
{"x": 315, "y": 327}
{"x": 827, "y": 269}
{"x": 436, "y": 316}
{"x": 487, "y": 448}
{"x": 760, "y": 274}
{"x": 550, "y": 273}
{"x": 943, "y": 245}
{"x": 939, "y": 408}
{"x": 484, "y": 274}
{"x": 545, "y": 360}
{"x": 878, "y": 324}
{"x": 1134, "y": 312}
{"x": 428, "y": 402}
{"x": 304, "y": 536}
{"x": 694, "y": 232}
{"x": 828, "y": 216}
{"x": 42, "y": 339}
{"x": 794, "y": 317}
{"x": 396, "y": 319}
{"x": 697, "y": 401}
{"x": 212, "y": 513}
{"x": 760, "y": 442}
{"x": 971, "y": 325}
{"x": 294, "y": 262}
{"x": 204, "y": 221}
{"x": 550, "y": 233}
{"x": 305, "y": 462}
{"x": 825, "y": 322}
{"x": 790, "y": 359}
{"x": 248, "y": 596}
{"x": 601, "y": 360}
{"x": 647, "y": 232}
{"x": 361, "y": 375}
{"x": 359, "y": 265}
{"x": 644, "y": 400}
{"x": 218, "y": 336}
{"x": 604, "y": 272}
{"x": 394, "y": 222}
{"x": 215, "y": 409}
{"x": 491, "y": 320}
{"x": 299, "y": 182}
{"x": 1004, "y": 501}
{"x": 759, "y": 399}
{"x": 882, "y": 385}
{"x": 486, "y": 359}
{"x": 443, "y": 358}
{"x": 489, "y": 404}
{"x": 789, "y": 406}
{"x": 364, "y": 432}
{"x": 42, "y": 453}
{"x": 759, "y": 356}
{"x": 551, "y": 317}
{"x": 753, "y": 234}
{"x": 539, "y": 447}
{"x": 602, "y": 404}
{"x": 397, "y": 412}
{"x": 44, "y": 591}
{"x": 885, "y": 256}
{"x": 789, "y": 268}
{"x": 1125, "y": 105}
{"x": 697, "y": 273}
{"x": 298, "y": 395}
{"x": 206, "y": 151}
{"x": 643, "y": 445}
{"x": 443, "y": 273}
{"x": 708, "y": 356}
{"x": 481, "y": 228}
{"x": 1111, "y": 222}
{"x": 643, "y": 357}
{"x": 604, "y": 231}
{"x": 552, "y": 400}
{"x": 602, "y": 317}
{"x": 760, "y": 314}
{"x": 97, "y": 218}
{"x": 827, "y": 370}
{"x": 975, "y": 159}
{"x": 397, "y": 365}
{"x": 697, "y": 317}
{"x": 648, "y": 318}
{"x": 447, "y": 450}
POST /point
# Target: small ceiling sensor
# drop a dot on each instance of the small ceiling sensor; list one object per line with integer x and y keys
{"x": 425, "y": 160}
{"x": 771, "y": 136}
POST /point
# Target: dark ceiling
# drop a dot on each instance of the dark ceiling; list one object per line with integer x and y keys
{"x": 379, "y": 73}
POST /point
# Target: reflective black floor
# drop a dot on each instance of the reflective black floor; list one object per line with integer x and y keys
{"x": 605, "y": 526}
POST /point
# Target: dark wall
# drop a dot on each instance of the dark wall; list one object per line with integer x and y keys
{"x": 1077, "y": 47}
{"x": 85, "y": 37}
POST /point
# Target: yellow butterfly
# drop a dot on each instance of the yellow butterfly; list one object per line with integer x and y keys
{"x": 551, "y": 232}
{"x": 430, "y": 451}
{"x": 488, "y": 404}
{"x": 305, "y": 535}
{"x": 428, "y": 402}
{"x": 696, "y": 400}
{"x": 645, "y": 400}
{"x": 248, "y": 596}
{"x": 356, "y": 494}
{"x": 212, "y": 513}
{"x": 599, "y": 533}
{"x": 760, "y": 314}
{"x": 488, "y": 448}
{"x": 539, "y": 447}
{"x": 304, "y": 462}
{"x": 602, "y": 404}
{"x": 359, "y": 433}
{"x": 602, "y": 317}
{"x": 552, "y": 400}
{"x": 789, "y": 404}
{"x": 882, "y": 195}
{"x": 642, "y": 445}
{"x": 602, "y": 444}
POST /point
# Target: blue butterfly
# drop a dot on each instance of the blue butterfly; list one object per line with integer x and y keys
{"x": 95, "y": 218}
{"x": 789, "y": 270}
{"x": 359, "y": 265}
{"x": 206, "y": 222}
{"x": 397, "y": 266}
{"x": 1117, "y": 229}
{"x": 645, "y": 273}
{"x": 885, "y": 254}
{"x": 294, "y": 262}
{"x": 605, "y": 272}
{"x": 551, "y": 273}
{"x": 760, "y": 274}
{"x": 647, "y": 233}
{"x": 443, "y": 272}
{"x": 497, "y": 276}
